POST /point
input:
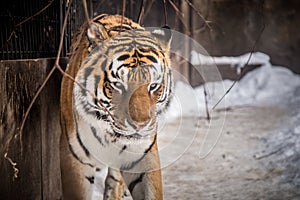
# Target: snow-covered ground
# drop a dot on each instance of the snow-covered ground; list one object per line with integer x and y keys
{"x": 250, "y": 149}
{"x": 267, "y": 85}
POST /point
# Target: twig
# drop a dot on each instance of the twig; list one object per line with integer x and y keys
{"x": 206, "y": 102}
{"x": 36, "y": 14}
{"x": 141, "y": 13}
{"x": 165, "y": 13}
{"x": 13, "y": 164}
{"x": 205, "y": 95}
{"x": 180, "y": 15}
{"x": 123, "y": 14}
{"x": 13, "y": 33}
{"x": 149, "y": 8}
{"x": 259, "y": 157}
{"x": 199, "y": 14}
{"x": 176, "y": 8}
{"x": 91, "y": 9}
{"x": 244, "y": 67}
{"x": 86, "y": 13}
{"x": 48, "y": 76}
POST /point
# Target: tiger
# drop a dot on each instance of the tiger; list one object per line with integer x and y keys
{"x": 109, "y": 112}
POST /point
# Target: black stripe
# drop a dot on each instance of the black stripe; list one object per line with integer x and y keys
{"x": 105, "y": 80}
{"x": 99, "y": 17}
{"x": 162, "y": 100}
{"x": 114, "y": 178}
{"x": 101, "y": 117}
{"x": 110, "y": 66}
{"x": 106, "y": 139}
{"x": 124, "y": 147}
{"x": 95, "y": 61}
{"x": 149, "y": 49}
{"x": 151, "y": 58}
{"x": 87, "y": 73}
{"x": 74, "y": 154}
{"x": 123, "y": 168}
{"x": 122, "y": 27}
{"x": 98, "y": 115}
{"x": 152, "y": 44}
{"x": 135, "y": 182}
{"x": 113, "y": 74}
{"x": 87, "y": 153}
{"x": 77, "y": 158}
{"x": 103, "y": 65}
{"x": 144, "y": 50}
{"x": 147, "y": 150}
{"x": 91, "y": 179}
{"x": 96, "y": 136}
{"x": 118, "y": 48}
{"x": 97, "y": 79}
{"x": 123, "y": 57}
{"x": 103, "y": 101}
{"x": 124, "y": 65}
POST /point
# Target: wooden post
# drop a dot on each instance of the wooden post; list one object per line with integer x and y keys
{"x": 38, "y": 161}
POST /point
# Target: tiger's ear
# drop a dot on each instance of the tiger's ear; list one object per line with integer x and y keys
{"x": 164, "y": 34}
{"x": 96, "y": 33}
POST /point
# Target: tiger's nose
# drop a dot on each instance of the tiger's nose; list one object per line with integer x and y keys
{"x": 139, "y": 125}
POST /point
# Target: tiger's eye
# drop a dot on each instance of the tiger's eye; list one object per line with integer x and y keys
{"x": 153, "y": 86}
{"x": 118, "y": 85}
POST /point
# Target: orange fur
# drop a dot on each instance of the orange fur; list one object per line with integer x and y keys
{"x": 141, "y": 109}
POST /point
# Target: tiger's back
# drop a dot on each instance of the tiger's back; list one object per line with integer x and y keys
{"x": 101, "y": 55}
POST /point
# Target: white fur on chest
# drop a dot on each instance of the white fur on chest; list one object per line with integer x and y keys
{"x": 103, "y": 148}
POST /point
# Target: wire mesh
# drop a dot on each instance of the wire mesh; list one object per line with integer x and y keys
{"x": 32, "y": 29}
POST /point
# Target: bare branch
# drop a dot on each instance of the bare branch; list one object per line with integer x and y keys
{"x": 206, "y": 102}
{"x": 13, "y": 164}
{"x": 47, "y": 78}
{"x": 199, "y": 14}
{"x": 165, "y": 13}
{"x": 13, "y": 33}
{"x": 244, "y": 67}
{"x": 36, "y": 14}
{"x": 149, "y": 8}
{"x": 86, "y": 12}
{"x": 123, "y": 13}
{"x": 141, "y": 13}
{"x": 176, "y": 8}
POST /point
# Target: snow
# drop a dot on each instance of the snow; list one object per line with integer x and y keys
{"x": 267, "y": 85}
{"x": 256, "y": 58}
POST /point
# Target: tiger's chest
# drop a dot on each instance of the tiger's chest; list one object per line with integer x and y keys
{"x": 94, "y": 144}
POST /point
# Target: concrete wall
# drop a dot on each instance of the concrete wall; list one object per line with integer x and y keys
{"x": 236, "y": 24}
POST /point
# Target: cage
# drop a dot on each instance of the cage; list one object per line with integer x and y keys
{"x": 32, "y": 30}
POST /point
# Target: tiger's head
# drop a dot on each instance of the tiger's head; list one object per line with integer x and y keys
{"x": 130, "y": 75}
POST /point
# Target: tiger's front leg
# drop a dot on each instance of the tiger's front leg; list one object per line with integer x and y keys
{"x": 115, "y": 188}
{"x": 146, "y": 186}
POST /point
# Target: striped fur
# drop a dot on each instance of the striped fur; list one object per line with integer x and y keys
{"x": 128, "y": 69}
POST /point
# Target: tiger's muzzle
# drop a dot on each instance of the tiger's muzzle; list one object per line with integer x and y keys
{"x": 136, "y": 111}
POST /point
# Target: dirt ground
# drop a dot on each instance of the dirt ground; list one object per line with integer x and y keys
{"x": 235, "y": 168}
